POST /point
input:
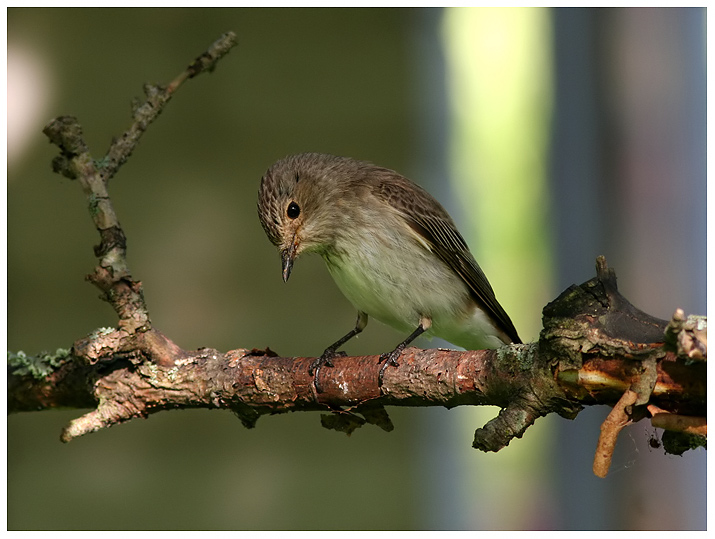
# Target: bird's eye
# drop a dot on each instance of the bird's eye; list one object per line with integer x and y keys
{"x": 293, "y": 210}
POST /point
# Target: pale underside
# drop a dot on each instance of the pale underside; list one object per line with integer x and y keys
{"x": 398, "y": 283}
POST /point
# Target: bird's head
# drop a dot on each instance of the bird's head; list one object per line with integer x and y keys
{"x": 299, "y": 204}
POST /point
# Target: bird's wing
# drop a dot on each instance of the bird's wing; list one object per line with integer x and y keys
{"x": 438, "y": 233}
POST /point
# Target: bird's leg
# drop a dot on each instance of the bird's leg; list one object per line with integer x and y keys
{"x": 390, "y": 358}
{"x": 331, "y": 351}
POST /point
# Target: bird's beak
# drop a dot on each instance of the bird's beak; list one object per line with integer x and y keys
{"x": 287, "y": 258}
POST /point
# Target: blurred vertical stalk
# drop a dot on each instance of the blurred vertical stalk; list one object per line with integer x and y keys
{"x": 498, "y": 73}
{"x": 499, "y": 76}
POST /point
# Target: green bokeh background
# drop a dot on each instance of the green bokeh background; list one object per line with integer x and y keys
{"x": 343, "y": 81}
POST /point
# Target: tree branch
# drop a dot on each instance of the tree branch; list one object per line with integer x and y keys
{"x": 112, "y": 275}
{"x": 575, "y": 363}
{"x": 595, "y": 348}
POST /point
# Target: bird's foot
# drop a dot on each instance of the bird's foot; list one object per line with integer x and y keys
{"x": 325, "y": 359}
{"x": 389, "y": 358}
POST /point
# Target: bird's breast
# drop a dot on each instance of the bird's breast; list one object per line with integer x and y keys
{"x": 390, "y": 276}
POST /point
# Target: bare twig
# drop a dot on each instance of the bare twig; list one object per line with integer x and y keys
{"x": 157, "y": 98}
{"x": 617, "y": 419}
{"x": 680, "y": 423}
{"x": 112, "y": 275}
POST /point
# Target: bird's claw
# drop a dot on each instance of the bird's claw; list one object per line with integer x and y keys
{"x": 315, "y": 366}
{"x": 389, "y": 359}
{"x": 325, "y": 359}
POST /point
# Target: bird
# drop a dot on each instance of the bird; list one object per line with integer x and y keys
{"x": 391, "y": 248}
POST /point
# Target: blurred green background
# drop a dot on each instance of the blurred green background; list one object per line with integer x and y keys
{"x": 552, "y": 136}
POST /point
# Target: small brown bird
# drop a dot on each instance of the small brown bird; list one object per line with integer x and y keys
{"x": 392, "y": 249}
